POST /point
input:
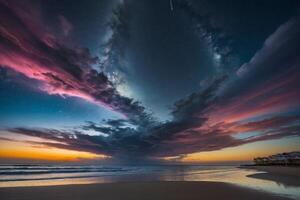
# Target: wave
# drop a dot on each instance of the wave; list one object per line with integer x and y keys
{"x": 32, "y": 170}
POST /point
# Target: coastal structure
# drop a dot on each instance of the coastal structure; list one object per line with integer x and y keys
{"x": 290, "y": 158}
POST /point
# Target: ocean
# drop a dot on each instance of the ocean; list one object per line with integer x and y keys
{"x": 44, "y": 175}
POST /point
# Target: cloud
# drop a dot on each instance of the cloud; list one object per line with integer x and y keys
{"x": 66, "y": 26}
{"x": 222, "y": 136}
{"x": 62, "y": 139}
{"x": 277, "y": 121}
{"x": 36, "y": 53}
{"x": 197, "y": 102}
{"x": 268, "y": 83}
{"x": 169, "y": 139}
{"x": 203, "y": 121}
{"x": 186, "y": 133}
{"x": 281, "y": 47}
{"x": 131, "y": 137}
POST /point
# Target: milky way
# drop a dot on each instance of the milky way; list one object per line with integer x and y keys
{"x": 174, "y": 102}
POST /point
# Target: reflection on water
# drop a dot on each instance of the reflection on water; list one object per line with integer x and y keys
{"x": 13, "y": 176}
{"x": 239, "y": 177}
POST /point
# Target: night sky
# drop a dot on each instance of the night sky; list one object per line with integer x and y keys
{"x": 149, "y": 80}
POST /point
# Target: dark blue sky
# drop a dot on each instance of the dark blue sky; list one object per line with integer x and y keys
{"x": 151, "y": 79}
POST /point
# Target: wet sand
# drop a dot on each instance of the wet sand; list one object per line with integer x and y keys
{"x": 137, "y": 191}
{"x": 289, "y": 176}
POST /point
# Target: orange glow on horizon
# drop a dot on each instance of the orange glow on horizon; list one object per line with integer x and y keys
{"x": 246, "y": 152}
{"x": 18, "y": 150}
{"x": 241, "y": 153}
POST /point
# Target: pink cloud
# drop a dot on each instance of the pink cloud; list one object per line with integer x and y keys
{"x": 33, "y": 50}
{"x": 66, "y": 26}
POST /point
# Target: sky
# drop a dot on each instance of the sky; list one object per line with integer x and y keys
{"x": 148, "y": 81}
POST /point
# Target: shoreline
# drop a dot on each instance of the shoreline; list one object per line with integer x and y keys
{"x": 286, "y": 175}
{"x": 183, "y": 190}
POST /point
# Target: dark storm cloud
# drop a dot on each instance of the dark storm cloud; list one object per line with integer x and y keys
{"x": 217, "y": 140}
{"x": 134, "y": 138}
{"x": 184, "y": 134}
{"x": 181, "y": 139}
{"x": 197, "y": 102}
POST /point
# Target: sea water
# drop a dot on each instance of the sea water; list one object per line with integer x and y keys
{"x": 42, "y": 175}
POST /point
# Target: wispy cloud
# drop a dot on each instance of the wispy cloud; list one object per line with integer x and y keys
{"x": 203, "y": 121}
{"x": 30, "y": 49}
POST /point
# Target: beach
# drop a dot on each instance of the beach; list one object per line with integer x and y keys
{"x": 148, "y": 182}
{"x": 136, "y": 191}
{"x": 288, "y": 176}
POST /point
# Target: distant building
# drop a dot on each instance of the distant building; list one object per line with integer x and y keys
{"x": 291, "y": 158}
